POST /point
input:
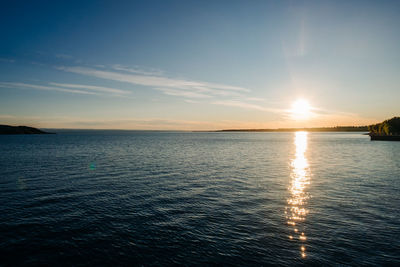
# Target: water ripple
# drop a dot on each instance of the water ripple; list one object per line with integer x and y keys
{"x": 199, "y": 199}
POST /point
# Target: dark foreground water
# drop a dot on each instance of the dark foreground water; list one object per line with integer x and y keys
{"x": 148, "y": 198}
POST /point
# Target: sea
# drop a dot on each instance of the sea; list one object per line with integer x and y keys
{"x": 142, "y": 198}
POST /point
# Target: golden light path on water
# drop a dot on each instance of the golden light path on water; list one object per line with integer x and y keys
{"x": 296, "y": 209}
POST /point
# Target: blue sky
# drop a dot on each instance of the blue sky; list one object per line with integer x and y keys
{"x": 196, "y": 65}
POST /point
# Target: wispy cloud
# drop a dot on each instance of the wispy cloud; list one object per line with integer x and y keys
{"x": 151, "y": 72}
{"x": 197, "y": 91}
{"x": 187, "y": 94}
{"x": 246, "y": 105}
{"x": 214, "y": 93}
{"x": 42, "y": 87}
{"x": 173, "y": 85}
{"x": 68, "y": 88}
{"x": 91, "y": 87}
{"x": 258, "y": 99}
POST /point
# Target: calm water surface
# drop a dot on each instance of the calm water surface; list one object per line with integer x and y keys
{"x": 163, "y": 198}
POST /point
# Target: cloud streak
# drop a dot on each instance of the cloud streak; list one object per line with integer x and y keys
{"x": 156, "y": 81}
{"x": 42, "y": 87}
{"x": 152, "y": 72}
{"x": 189, "y": 90}
{"x": 91, "y": 87}
{"x": 245, "y": 105}
{"x": 212, "y": 93}
{"x": 217, "y": 94}
{"x": 187, "y": 94}
{"x": 67, "y": 88}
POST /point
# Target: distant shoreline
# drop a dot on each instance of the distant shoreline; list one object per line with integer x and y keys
{"x": 320, "y": 129}
{"x": 6, "y": 129}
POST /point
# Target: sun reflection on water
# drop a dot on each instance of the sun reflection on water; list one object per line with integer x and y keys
{"x": 296, "y": 209}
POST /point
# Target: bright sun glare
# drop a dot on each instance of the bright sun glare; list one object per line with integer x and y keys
{"x": 301, "y": 110}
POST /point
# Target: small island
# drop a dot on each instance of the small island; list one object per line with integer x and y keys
{"x": 7, "y": 129}
{"x": 389, "y": 130}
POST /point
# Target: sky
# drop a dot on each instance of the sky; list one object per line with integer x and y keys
{"x": 198, "y": 65}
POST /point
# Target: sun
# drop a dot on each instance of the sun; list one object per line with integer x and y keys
{"x": 301, "y": 110}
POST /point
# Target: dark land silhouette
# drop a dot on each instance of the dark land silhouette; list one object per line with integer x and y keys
{"x": 388, "y": 130}
{"x": 7, "y": 129}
